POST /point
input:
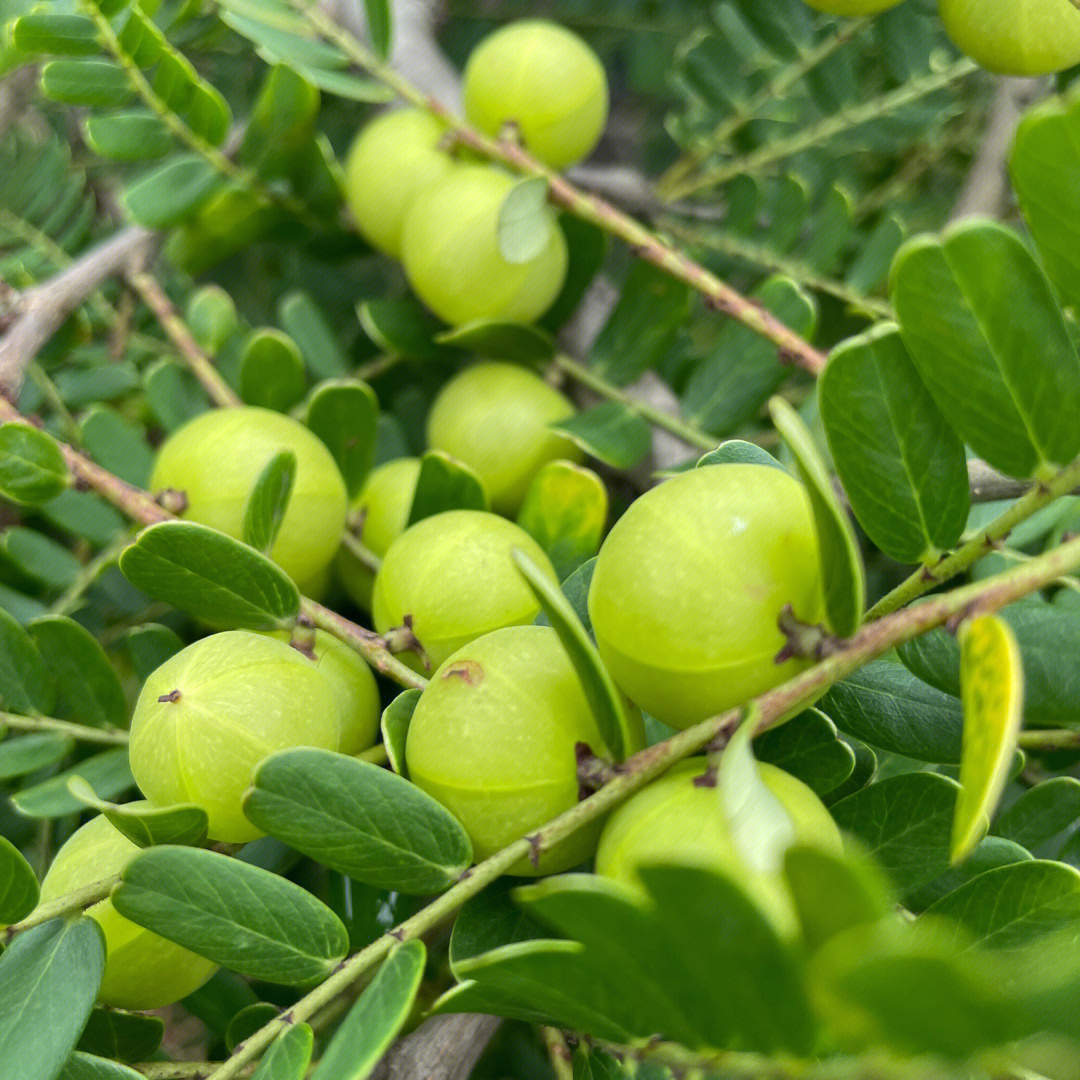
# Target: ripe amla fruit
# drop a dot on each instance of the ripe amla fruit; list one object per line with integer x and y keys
{"x": 494, "y": 417}
{"x": 493, "y": 739}
{"x": 673, "y": 820}
{"x": 353, "y": 686}
{"x": 207, "y": 717}
{"x": 215, "y": 460}
{"x": 691, "y": 581}
{"x": 1015, "y": 37}
{"x": 450, "y": 249}
{"x": 392, "y": 159}
{"x": 454, "y": 575}
{"x": 546, "y": 80}
{"x": 384, "y": 502}
{"x": 142, "y": 969}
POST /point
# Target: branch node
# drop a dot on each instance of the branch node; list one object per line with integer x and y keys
{"x": 805, "y": 641}
{"x": 175, "y": 502}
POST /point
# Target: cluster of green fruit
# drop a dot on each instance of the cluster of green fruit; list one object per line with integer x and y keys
{"x": 412, "y": 199}
{"x": 1011, "y": 37}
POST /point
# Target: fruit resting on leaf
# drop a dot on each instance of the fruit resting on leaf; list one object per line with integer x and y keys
{"x": 674, "y": 820}
{"x": 454, "y": 576}
{"x": 384, "y": 503}
{"x": 691, "y": 581}
{"x": 493, "y": 739}
{"x": 450, "y": 249}
{"x": 142, "y": 969}
{"x": 392, "y": 160}
{"x": 544, "y": 79}
{"x": 494, "y": 417}
{"x": 215, "y": 461}
{"x": 1015, "y": 37}
{"x": 212, "y": 712}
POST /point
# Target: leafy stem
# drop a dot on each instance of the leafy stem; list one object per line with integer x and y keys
{"x": 68, "y": 904}
{"x": 79, "y": 732}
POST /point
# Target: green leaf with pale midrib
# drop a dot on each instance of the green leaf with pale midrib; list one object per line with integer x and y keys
{"x": 19, "y": 889}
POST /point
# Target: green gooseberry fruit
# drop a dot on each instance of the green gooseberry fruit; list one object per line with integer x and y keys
{"x": 142, "y": 969}
{"x": 353, "y": 686}
{"x": 392, "y": 159}
{"x": 852, "y": 7}
{"x": 493, "y": 739}
{"x": 494, "y": 417}
{"x": 207, "y": 717}
{"x": 453, "y": 576}
{"x": 673, "y": 820}
{"x": 384, "y": 503}
{"x": 547, "y": 81}
{"x": 691, "y": 581}
{"x": 215, "y": 460}
{"x": 1015, "y": 37}
{"x": 450, "y": 249}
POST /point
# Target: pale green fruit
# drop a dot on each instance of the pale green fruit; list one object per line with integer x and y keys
{"x": 207, "y": 717}
{"x": 1015, "y": 37}
{"x": 493, "y": 739}
{"x": 453, "y": 573}
{"x": 384, "y": 501}
{"x": 544, "y": 79}
{"x": 691, "y": 581}
{"x": 142, "y": 970}
{"x": 353, "y": 685}
{"x": 674, "y": 821}
{"x": 215, "y": 460}
{"x": 494, "y": 417}
{"x": 450, "y": 249}
{"x": 852, "y": 7}
{"x": 392, "y": 160}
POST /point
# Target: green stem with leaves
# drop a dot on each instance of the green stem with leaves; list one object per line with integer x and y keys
{"x": 78, "y": 732}
{"x": 591, "y": 208}
{"x": 68, "y": 904}
{"x": 872, "y": 641}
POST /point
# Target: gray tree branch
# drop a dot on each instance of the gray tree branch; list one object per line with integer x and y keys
{"x": 441, "y": 1048}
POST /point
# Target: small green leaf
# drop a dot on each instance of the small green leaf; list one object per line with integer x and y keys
{"x": 271, "y": 370}
{"x": 358, "y": 818}
{"x": 212, "y": 317}
{"x": 1042, "y": 814}
{"x": 402, "y": 328}
{"x": 173, "y": 192}
{"x": 87, "y": 681}
{"x": 19, "y": 889}
{"x": 174, "y": 394}
{"x": 565, "y": 511}
{"x": 610, "y": 432}
{"x": 809, "y": 747}
{"x": 240, "y": 916}
{"x": 445, "y": 484}
{"x": 501, "y": 341}
{"x": 344, "y": 414}
{"x": 98, "y": 83}
{"x": 49, "y": 977}
{"x": 107, "y": 773}
{"x": 147, "y": 826}
{"x": 607, "y": 704}
{"x": 25, "y": 684}
{"x": 761, "y": 829}
{"x": 211, "y": 576}
{"x": 992, "y": 692}
{"x": 149, "y": 646}
{"x": 268, "y": 501}
{"x": 118, "y": 444}
{"x": 525, "y": 222}
{"x": 738, "y": 452}
{"x": 82, "y": 1066}
{"x": 55, "y": 35}
{"x": 380, "y": 26}
{"x": 28, "y": 753}
{"x": 289, "y": 1056}
{"x": 902, "y": 466}
{"x": 395, "y": 722}
{"x": 247, "y": 1021}
{"x": 375, "y": 1020}
{"x": 128, "y": 137}
{"x": 125, "y": 1036}
{"x": 32, "y": 466}
{"x": 841, "y": 563}
{"x": 303, "y": 320}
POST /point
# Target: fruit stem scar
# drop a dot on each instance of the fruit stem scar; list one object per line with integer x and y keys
{"x": 468, "y": 671}
{"x": 172, "y": 697}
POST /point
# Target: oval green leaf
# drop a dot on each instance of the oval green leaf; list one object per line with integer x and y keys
{"x": 344, "y": 414}
{"x": 25, "y": 683}
{"x": 288, "y": 1057}
{"x": 107, "y": 773}
{"x": 525, "y": 222}
{"x": 271, "y": 370}
{"x": 992, "y": 693}
{"x": 842, "y": 573}
{"x": 82, "y": 1066}
{"x": 445, "y": 484}
{"x": 240, "y": 916}
{"x": 395, "y": 722}
{"x": 19, "y": 889}
{"x": 360, "y": 819}
{"x": 501, "y": 341}
{"x": 147, "y": 826}
{"x": 125, "y": 1036}
{"x": 32, "y": 466}
{"x": 739, "y": 452}
{"x": 268, "y": 501}
{"x": 610, "y": 432}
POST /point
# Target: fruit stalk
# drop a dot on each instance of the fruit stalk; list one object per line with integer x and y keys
{"x": 80, "y": 732}
{"x": 642, "y": 242}
{"x": 872, "y": 641}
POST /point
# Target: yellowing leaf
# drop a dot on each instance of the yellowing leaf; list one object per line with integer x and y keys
{"x": 992, "y": 692}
